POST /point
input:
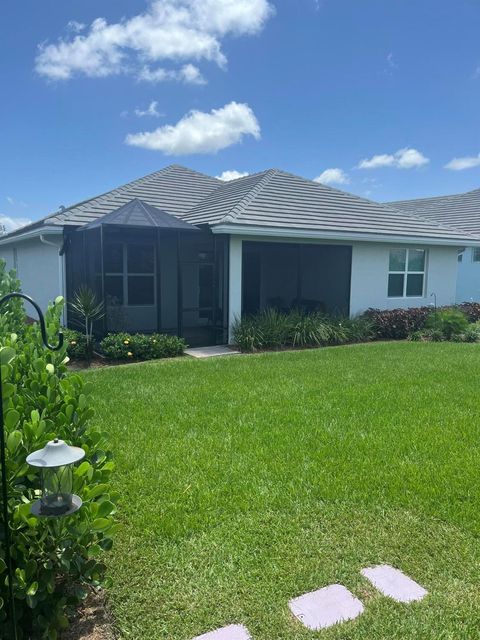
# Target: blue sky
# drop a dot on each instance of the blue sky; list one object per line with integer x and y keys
{"x": 386, "y": 92}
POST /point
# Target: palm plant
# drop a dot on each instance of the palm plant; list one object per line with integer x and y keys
{"x": 87, "y": 310}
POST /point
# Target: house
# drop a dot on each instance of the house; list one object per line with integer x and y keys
{"x": 181, "y": 252}
{"x": 461, "y": 211}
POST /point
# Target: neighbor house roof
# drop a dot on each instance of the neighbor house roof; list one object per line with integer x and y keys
{"x": 460, "y": 210}
{"x": 139, "y": 214}
{"x": 276, "y": 199}
{"x": 272, "y": 201}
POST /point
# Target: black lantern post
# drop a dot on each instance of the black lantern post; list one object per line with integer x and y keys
{"x": 7, "y": 540}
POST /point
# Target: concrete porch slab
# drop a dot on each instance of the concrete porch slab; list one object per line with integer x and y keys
{"x": 210, "y": 352}
{"x": 232, "y": 632}
{"x": 394, "y": 584}
{"x": 324, "y": 608}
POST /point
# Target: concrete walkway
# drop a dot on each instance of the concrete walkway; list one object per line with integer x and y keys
{"x": 211, "y": 352}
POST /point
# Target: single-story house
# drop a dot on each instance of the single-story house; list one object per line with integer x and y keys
{"x": 181, "y": 252}
{"x": 462, "y": 211}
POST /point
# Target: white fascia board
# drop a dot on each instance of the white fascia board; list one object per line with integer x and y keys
{"x": 278, "y": 232}
{"x": 33, "y": 233}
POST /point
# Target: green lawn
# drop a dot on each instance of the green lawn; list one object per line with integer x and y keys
{"x": 249, "y": 480}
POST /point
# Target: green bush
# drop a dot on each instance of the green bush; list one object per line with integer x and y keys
{"x": 54, "y": 561}
{"x": 76, "y": 343}
{"x": 247, "y": 335}
{"x": 272, "y": 329}
{"x": 139, "y": 346}
{"x": 449, "y": 322}
{"x": 359, "y": 329}
{"x": 427, "y": 335}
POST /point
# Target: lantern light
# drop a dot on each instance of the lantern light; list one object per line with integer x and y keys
{"x": 56, "y": 461}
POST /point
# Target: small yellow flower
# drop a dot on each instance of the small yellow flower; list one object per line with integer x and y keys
{"x": 129, "y": 354}
{"x": 73, "y": 342}
{"x": 126, "y": 342}
{"x": 153, "y": 340}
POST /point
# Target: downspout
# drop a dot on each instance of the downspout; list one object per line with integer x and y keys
{"x": 61, "y": 274}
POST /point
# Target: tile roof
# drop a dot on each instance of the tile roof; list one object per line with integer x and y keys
{"x": 460, "y": 210}
{"x": 270, "y": 199}
{"x": 278, "y": 199}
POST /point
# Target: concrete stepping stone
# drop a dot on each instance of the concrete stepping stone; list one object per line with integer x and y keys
{"x": 232, "y": 632}
{"x": 394, "y": 584}
{"x": 326, "y": 607}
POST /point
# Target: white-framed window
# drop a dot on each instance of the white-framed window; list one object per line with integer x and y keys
{"x": 476, "y": 254}
{"x": 130, "y": 273}
{"x": 406, "y": 273}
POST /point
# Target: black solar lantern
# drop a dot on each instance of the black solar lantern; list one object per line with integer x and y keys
{"x": 56, "y": 460}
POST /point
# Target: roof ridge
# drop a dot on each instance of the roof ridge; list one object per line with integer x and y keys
{"x": 448, "y": 196}
{"x": 251, "y": 195}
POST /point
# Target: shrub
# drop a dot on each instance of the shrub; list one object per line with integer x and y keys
{"x": 471, "y": 310}
{"x": 76, "y": 343}
{"x": 247, "y": 335}
{"x": 426, "y": 335}
{"x": 139, "y": 346}
{"x": 397, "y": 324}
{"x": 275, "y": 328}
{"x": 472, "y": 333}
{"x": 53, "y": 562}
{"x": 86, "y": 310}
{"x": 359, "y": 329}
{"x": 449, "y": 322}
{"x": 272, "y": 329}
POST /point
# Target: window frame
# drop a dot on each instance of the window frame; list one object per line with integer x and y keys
{"x": 475, "y": 253}
{"x": 125, "y": 274}
{"x": 406, "y": 272}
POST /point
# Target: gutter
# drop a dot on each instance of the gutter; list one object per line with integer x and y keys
{"x": 279, "y": 232}
{"x": 33, "y": 233}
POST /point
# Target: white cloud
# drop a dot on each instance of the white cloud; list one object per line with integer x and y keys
{"x": 189, "y": 74}
{"x": 199, "y": 132}
{"x": 15, "y": 203}
{"x": 232, "y": 175}
{"x": 406, "y": 158}
{"x": 75, "y": 26}
{"x": 11, "y": 224}
{"x": 333, "y": 176}
{"x": 466, "y": 162}
{"x": 174, "y": 30}
{"x": 151, "y": 110}
{"x": 391, "y": 65}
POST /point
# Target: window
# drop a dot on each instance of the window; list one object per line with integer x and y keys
{"x": 406, "y": 273}
{"x": 130, "y": 273}
{"x": 476, "y": 254}
{"x": 460, "y": 256}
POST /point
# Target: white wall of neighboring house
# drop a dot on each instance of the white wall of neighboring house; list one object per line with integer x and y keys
{"x": 39, "y": 268}
{"x": 468, "y": 276}
{"x": 369, "y": 283}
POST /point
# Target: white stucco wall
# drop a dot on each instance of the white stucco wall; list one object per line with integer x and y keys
{"x": 369, "y": 281}
{"x": 369, "y": 277}
{"x": 468, "y": 278}
{"x": 39, "y": 268}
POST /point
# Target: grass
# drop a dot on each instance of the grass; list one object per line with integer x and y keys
{"x": 249, "y": 480}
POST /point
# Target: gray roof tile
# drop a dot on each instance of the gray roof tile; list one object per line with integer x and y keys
{"x": 460, "y": 210}
{"x": 270, "y": 199}
{"x": 278, "y": 199}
